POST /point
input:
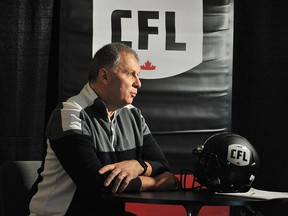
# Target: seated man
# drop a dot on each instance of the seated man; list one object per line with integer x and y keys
{"x": 98, "y": 142}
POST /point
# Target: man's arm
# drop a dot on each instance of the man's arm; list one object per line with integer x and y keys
{"x": 164, "y": 181}
{"x": 158, "y": 175}
{"x": 123, "y": 172}
{"x": 81, "y": 163}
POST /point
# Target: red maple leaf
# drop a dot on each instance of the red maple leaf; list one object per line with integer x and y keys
{"x": 148, "y": 66}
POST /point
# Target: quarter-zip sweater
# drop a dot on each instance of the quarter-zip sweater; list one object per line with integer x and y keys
{"x": 81, "y": 139}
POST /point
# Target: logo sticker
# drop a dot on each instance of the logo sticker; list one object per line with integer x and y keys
{"x": 238, "y": 155}
{"x": 166, "y": 34}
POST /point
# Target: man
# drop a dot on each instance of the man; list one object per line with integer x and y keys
{"x": 97, "y": 142}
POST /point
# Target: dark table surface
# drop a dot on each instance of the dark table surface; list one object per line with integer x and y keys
{"x": 196, "y": 198}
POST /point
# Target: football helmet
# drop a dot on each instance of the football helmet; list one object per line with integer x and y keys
{"x": 227, "y": 163}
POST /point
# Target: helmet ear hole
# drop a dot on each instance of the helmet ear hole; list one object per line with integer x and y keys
{"x": 227, "y": 162}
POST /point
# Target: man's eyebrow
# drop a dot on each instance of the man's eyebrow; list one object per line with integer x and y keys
{"x": 137, "y": 73}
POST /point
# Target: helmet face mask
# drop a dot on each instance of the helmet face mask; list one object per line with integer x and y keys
{"x": 207, "y": 168}
{"x": 226, "y": 163}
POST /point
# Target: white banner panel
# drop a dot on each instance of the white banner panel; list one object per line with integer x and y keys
{"x": 166, "y": 34}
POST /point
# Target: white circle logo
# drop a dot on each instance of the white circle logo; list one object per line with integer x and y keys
{"x": 166, "y": 34}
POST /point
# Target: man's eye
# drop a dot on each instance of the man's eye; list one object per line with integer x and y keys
{"x": 129, "y": 74}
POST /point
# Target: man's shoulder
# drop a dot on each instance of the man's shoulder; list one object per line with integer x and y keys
{"x": 68, "y": 116}
{"x": 80, "y": 101}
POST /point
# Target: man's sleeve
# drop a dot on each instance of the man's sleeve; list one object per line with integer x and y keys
{"x": 152, "y": 153}
{"x": 79, "y": 159}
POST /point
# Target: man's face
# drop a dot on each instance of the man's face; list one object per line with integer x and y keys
{"x": 124, "y": 81}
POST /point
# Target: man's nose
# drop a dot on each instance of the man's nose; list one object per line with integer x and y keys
{"x": 137, "y": 82}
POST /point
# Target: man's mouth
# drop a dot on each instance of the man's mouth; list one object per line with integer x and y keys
{"x": 133, "y": 94}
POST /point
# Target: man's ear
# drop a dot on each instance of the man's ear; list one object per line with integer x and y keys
{"x": 103, "y": 75}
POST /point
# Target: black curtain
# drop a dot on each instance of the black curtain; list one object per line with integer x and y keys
{"x": 260, "y": 85}
{"x": 259, "y": 110}
{"x": 27, "y": 68}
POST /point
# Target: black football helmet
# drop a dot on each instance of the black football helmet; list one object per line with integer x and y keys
{"x": 227, "y": 163}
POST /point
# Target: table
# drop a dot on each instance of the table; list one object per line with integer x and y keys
{"x": 193, "y": 201}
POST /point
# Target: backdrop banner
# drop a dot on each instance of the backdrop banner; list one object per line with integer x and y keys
{"x": 185, "y": 50}
{"x": 185, "y": 55}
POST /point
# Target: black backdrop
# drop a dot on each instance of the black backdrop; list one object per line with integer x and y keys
{"x": 29, "y": 77}
{"x": 259, "y": 107}
{"x": 260, "y": 85}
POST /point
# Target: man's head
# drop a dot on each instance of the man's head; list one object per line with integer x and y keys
{"x": 114, "y": 75}
{"x": 108, "y": 57}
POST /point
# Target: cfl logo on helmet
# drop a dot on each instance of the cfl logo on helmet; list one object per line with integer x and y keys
{"x": 238, "y": 155}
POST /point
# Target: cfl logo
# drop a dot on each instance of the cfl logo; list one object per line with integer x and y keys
{"x": 238, "y": 155}
{"x": 167, "y": 36}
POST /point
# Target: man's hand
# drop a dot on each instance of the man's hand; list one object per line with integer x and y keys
{"x": 123, "y": 172}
